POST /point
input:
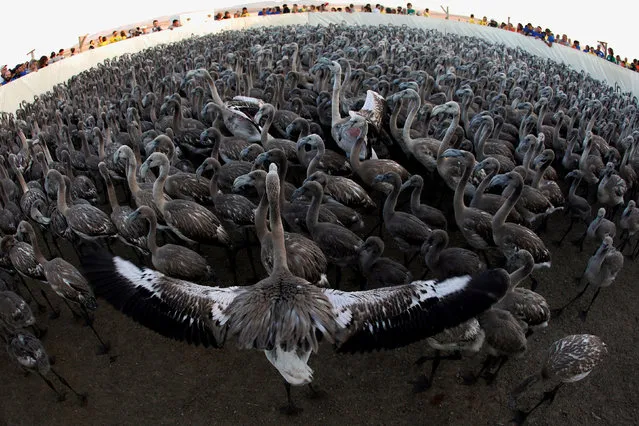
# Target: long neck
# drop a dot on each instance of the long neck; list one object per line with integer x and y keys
{"x": 540, "y": 118}
{"x": 481, "y": 188}
{"x": 267, "y": 125}
{"x": 304, "y": 129}
{"x": 500, "y": 217}
{"x": 583, "y": 160}
{"x": 555, "y": 134}
{"x": 158, "y": 187}
{"x": 458, "y": 198}
{"x": 213, "y": 185}
{"x": 337, "y": 85}
{"x": 277, "y": 233}
{"x": 151, "y": 240}
{"x": 101, "y": 152}
{"x": 214, "y": 94}
{"x": 520, "y": 274}
{"x": 414, "y": 106}
{"x": 391, "y": 202}
{"x": 63, "y": 207}
{"x": 312, "y": 214}
{"x": 261, "y": 228}
{"x": 20, "y": 178}
{"x": 539, "y": 174}
{"x": 433, "y": 254}
{"x": 573, "y": 188}
{"x": 36, "y": 248}
{"x": 131, "y": 175}
{"x": 416, "y": 198}
{"x": 356, "y": 163}
{"x": 449, "y": 134}
{"x": 315, "y": 161}
{"x": 282, "y": 169}
{"x": 480, "y": 140}
{"x": 113, "y": 198}
{"x": 177, "y": 116}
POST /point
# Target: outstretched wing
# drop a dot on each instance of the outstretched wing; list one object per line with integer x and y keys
{"x": 391, "y": 317}
{"x": 174, "y": 308}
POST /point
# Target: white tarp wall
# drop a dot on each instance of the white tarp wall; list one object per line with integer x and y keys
{"x": 25, "y": 88}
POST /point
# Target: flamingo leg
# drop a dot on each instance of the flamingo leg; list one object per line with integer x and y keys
{"x": 583, "y": 314}
{"x": 61, "y": 396}
{"x": 81, "y": 396}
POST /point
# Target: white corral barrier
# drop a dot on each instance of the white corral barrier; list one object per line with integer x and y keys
{"x": 25, "y": 88}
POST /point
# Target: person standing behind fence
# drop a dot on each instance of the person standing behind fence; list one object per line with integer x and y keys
{"x": 156, "y": 26}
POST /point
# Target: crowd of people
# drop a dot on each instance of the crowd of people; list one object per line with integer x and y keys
{"x": 22, "y": 69}
{"x": 547, "y": 36}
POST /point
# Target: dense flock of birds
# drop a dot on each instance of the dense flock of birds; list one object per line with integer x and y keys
{"x": 319, "y": 146}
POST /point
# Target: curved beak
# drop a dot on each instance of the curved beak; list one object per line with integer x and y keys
{"x": 261, "y": 159}
{"x": 241, "y": 182}
{"x": 132, "y": 216}
{"x": 144, "y": 168}
{"x": 452, "y": 153}
{"x": 378, "y": 178}
{"x": 298, "y": 193}
{"x": 499, "y": 180}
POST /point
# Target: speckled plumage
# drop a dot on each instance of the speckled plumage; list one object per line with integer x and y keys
{"x": 573, "y": 357}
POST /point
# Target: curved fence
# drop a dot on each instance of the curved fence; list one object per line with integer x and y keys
{"x": 25, "y": 88}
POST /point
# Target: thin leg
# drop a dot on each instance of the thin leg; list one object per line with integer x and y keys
{"x": 534, "y": 283}
{"x": 105, "y": 347}
{"x": 41, "y": 307}
{"x": 583, "y": 314}
{"x": 470, "y": 378}
{"x": 316, "y": 393}
{"x": 76, "y": 316}
{"x": 39, "y": 332}
{"x": 81, "y": 396}
{"x": 55, "y": 313}
{"x": 559, "y": 311}
{"x": 624, "y": 240}
{"x": 491, "y": 376}
{"x": 580, "y": 242}
{"x": 521, "y": 416}
{"x": 290, "y": 408}
{"x": 635, "y": 251}
{"x": 61, "y": 396}
{"x": 561, "y": 240}
{"x": 424, "y": 383}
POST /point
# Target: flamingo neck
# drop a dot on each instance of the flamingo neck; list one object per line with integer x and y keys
{"x": 500, "y": 217}
{"x": 63, "y": 207}
{"x": 158, "y": 187}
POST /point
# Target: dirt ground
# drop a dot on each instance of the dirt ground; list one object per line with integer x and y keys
{"x": 155, "y": 380}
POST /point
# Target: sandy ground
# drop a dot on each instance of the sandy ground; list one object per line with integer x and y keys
{"x": 159, "y": 381}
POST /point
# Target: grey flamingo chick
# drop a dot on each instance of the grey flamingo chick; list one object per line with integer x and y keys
{"x": 447, "y": 262}
{"x": 526, "y": 305}
{"x": 172, "y": 259}
{"x": 66, "y": 282}
{"x": 339, "y": 244}
{"x": 601, "y": 271}
{"x": 28, "y": 351}
{"x": 380, "y": 271}
{"x": 408, "y": 232}
{"x": 568, "y": 360}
